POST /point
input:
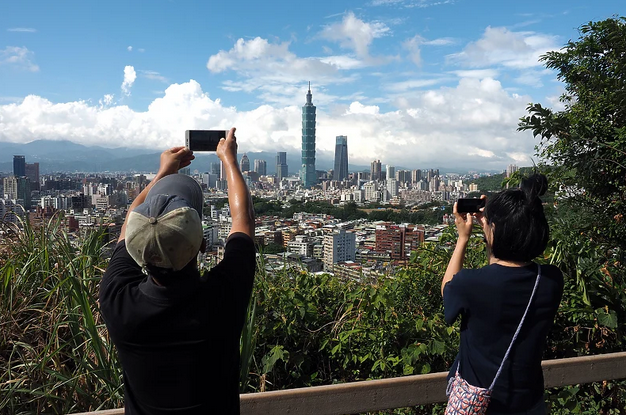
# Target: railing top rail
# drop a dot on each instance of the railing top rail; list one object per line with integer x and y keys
{"x": 406, "y": 391}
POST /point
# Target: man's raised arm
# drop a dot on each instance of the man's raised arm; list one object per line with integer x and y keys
{"x": 239, "y": 199}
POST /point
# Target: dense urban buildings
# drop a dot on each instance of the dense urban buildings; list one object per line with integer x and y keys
{"x": 308, "y": 174}
{"x": 340, "y": 171}
{"x": 355, "y": 249}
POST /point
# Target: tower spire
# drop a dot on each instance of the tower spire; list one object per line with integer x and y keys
{"x": 309, "y": 96}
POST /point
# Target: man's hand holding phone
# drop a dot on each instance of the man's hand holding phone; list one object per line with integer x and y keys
{"x": 204, "y": 140}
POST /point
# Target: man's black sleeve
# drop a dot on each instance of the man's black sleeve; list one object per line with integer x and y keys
{"x": 237, "y": 269}
{"x": 121, "y": 274}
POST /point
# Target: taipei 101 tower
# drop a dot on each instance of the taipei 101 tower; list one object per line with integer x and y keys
{"x": 308, "y": 174}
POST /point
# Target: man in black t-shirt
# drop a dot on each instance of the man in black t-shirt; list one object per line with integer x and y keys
{"x": 177, "y": 332}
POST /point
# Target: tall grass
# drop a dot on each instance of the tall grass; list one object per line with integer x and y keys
{"x": 55, "y": 355}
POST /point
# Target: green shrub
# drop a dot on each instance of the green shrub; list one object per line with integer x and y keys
{"x": 303, "y": 329}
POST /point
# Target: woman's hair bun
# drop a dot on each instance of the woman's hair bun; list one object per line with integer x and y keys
{"x": 535, "y": 185}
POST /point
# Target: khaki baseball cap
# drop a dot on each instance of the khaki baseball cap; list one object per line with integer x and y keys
{"x": 166, "y": 229}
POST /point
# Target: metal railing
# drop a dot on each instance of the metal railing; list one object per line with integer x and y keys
{"x": 407, "y": 391}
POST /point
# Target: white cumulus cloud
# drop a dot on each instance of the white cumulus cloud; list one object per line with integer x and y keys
{"x": 244, "y": 52}
{"x": 353, "y": 33}
{"x": 470, "y": 125}
{"x": 500, "y": 46}
{"x": 358, "y": 108}
{"x": 276, "y": 73}
{"x": 19, "y": 57}
{"x": 129, "y": 79}
{"x": 106, "y": 100}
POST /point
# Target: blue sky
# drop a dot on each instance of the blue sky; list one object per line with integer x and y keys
{"x": 416, "y": 83}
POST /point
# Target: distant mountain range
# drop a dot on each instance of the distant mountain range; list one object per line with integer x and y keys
{"x": 67, "y": 156}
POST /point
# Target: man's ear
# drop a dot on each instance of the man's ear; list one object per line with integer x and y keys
{"x": 203, "y": 246}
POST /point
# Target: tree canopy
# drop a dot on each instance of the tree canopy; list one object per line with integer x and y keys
{"x": 584, "y": 142}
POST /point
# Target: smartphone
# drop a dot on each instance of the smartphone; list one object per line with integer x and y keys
{"x": 203, "y": 140}
{"x": 469, "y": 205}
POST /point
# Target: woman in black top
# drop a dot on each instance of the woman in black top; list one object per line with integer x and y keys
{"x": 491, "y": 300}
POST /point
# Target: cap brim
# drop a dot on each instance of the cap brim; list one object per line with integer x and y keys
{"x": 182, "y": 186}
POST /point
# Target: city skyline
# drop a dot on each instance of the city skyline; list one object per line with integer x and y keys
{"x": 78, "y": 158}
{"x": 411, "y": 82}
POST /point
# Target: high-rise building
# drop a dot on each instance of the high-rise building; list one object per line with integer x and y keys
{"x": 10, "y": 210}
{"x": 511, "y": 168}
{"x": 391, "y": 172}
{"x": 19, "y": 166}
{"x": 431, "y": 173}
{"x": 403, "y": 176}
{"x": 215, "y": 169}
{"x": 392, "y": 187}
{"x": 32, "y": 172}
{"x": 375, "y": 170}
{"x": 308, "y": 174}
{"x": 341, "y": 158}
{"x": 282, "y": 170}
{"x": 9, "y": 185}
{"x": 17, "y": 188}
{"x": 398, "y": 240}
{"x": 260, "y": 166}
{"x": 301, "y": 245}
{"x": 339, "y": 246}
{"x": 244, "y": 164}
{"x": 416, "y": 176}
{"x": 371, "y": 192}
{"x": 433, "y": 184}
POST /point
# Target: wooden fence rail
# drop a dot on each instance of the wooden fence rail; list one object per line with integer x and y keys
{"x": 406, "y": 391}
